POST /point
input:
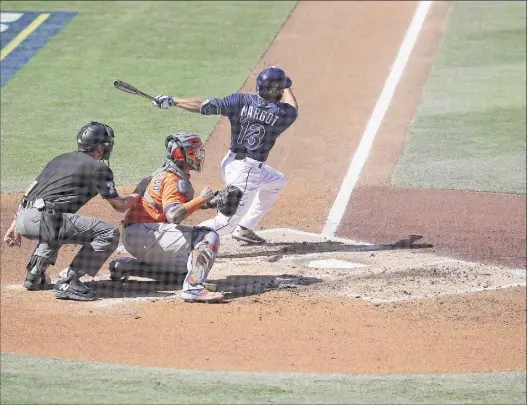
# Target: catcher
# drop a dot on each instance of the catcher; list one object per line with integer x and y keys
{"x": 152, "y": 233}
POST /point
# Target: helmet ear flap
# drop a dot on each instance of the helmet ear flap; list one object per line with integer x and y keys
{"x": 172, "y": 143}
{"x": 271, "y": 81}
{"x": 168, "y": 140}
{"x": 109, "y": 132}
{"x": 109, "y": 144}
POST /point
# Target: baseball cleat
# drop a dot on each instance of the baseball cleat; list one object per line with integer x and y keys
{"x": 248, "y": 236}
{"x": 201, "y": 294}
{"x": 116, "y": 273}
{"x": 73, "y": 290}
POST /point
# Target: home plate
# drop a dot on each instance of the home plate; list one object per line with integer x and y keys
{"x": 334, "y": 264}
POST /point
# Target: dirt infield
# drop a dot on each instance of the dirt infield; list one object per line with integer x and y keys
{"x": 385, "y": 310}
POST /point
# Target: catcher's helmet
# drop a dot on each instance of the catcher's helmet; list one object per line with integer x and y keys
{"x": 185, "y": 147}
{"x": 272, "y": 79}
{"x": 93, "y": 134}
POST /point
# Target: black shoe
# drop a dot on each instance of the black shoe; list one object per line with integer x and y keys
{"x": 35, "y": 282}
{"x": 118, "y": 268}
{"x": 73, "y": 289}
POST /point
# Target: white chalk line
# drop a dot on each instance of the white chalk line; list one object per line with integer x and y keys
{"x": 338, "y": 209}
{"x": 315, "y": 235}
{"x": 375, "y": 300}
{"x": 360, "y": 156}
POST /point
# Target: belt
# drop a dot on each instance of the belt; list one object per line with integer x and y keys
{"x": 241, "y": 156}
{"x": 31, "y": 203}
{"x": 27, "y": 204}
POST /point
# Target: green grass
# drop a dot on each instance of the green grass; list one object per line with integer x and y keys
{"x": 470, "y": 129}
{"x": 184, "y": 48}
{"x": 32, "y": 380}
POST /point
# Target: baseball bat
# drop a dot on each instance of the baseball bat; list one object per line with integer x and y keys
{"x": 128, "y": 88}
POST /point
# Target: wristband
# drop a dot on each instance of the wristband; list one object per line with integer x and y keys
{"x": 193, "y": 205}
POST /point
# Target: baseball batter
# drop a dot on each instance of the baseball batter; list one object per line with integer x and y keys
{"x": 257, "y": 120}
{"x": 152, "y": 230}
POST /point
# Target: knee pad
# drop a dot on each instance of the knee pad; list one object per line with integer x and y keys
{"x": 213, "y": 241}
{"x": 39, "y": 263}
{"x": 116, "y": 235}
{"x": 110, "y": 240}
{"x": 201, "y": 233}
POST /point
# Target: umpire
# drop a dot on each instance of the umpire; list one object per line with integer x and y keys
{"x": 47, "y": 214}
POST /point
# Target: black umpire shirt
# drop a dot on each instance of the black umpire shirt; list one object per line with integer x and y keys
{"x": 71, "y": 180}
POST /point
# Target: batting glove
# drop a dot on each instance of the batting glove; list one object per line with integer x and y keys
{"x": 163, "y": 102}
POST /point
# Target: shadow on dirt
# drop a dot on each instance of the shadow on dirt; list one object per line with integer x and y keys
{"x": 276, "y": 251}
{"x": 133, "y": 289}
{"x": 235, "y": 286}
{"x": 247, "y": 285}
{"x": 162, "y": 285}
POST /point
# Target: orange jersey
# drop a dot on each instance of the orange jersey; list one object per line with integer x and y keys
{"x": 165, "y": 190}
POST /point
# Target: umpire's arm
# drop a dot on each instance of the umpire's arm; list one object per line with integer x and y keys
{"x": 123, "y": 204}
{"x": 105, "y": 186}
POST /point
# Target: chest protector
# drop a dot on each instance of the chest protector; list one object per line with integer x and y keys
{"x": 185, "y": 187}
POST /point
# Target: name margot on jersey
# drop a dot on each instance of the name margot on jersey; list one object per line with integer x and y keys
{"x": 258, "y": 114}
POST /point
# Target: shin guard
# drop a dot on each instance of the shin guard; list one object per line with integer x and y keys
{"x": 201, "y": 260}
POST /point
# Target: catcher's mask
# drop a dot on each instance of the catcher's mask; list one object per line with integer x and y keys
{"x": 271, "y": 82}
{"x": 185, "y": 147}
{"x": 94, "y": 134}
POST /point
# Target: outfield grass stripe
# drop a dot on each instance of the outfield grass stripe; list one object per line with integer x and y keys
{"x": 182, "y": 48}
{"x": 28, "y": 379}
{"x": 26, "y": 32}
{"x": 470, "y": 129}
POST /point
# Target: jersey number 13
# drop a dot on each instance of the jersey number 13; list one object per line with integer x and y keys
{"x": 251, "y": 135}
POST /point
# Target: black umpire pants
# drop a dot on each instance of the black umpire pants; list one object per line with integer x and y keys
{"x": 99, "y": 239}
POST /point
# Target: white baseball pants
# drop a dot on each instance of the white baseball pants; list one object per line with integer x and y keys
{"x": 261, "y": 185}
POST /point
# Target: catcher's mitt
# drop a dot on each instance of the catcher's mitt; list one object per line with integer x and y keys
{"x": 226, "y": 201}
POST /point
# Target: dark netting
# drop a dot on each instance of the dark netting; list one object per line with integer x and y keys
{"x": 156, "y": 254}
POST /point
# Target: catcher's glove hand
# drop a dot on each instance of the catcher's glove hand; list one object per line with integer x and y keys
{"x": 226, "y": 201}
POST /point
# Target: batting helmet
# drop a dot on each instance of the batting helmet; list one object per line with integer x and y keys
{"x": 94, "y": 134}
{"x": 185, "y": 147}
{"x": 272, "y": 79}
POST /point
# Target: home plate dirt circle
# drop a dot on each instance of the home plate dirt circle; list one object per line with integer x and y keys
{"x": 340, "y": 267}
{"x": 382, "y": 317}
